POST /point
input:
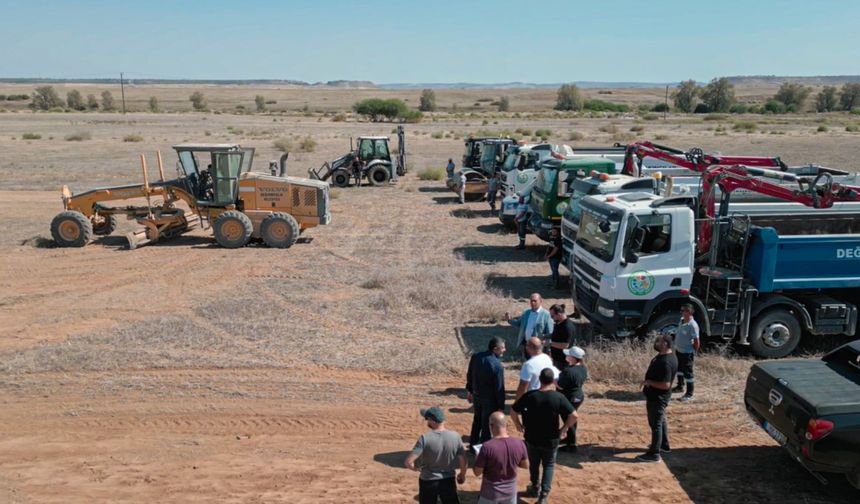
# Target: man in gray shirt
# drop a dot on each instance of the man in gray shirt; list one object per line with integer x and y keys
{"x": 437, "y": 455}
{"x": 686, "y": 345}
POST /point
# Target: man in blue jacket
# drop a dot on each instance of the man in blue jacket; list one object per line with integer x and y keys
{"x": 534, "y": 322}
{"x": 485, "y": 383}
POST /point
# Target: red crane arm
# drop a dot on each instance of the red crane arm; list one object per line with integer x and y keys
{"x": 694, "y": 159}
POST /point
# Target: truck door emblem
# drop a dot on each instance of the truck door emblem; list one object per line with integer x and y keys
{"x": 640, "y": 283}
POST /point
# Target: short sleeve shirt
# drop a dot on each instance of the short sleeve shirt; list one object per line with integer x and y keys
{"x": 542, "y": 412}
{"x": 685, "y": 335}
{"x": 437, "y": 453}
{"x": 500, "y": 458}
{"x": 663, "y": 368}
{"x": 531, "y": 370}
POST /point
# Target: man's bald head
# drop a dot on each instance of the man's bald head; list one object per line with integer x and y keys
{"x": 534, "y": 346}
{"x": 498, "y": 424}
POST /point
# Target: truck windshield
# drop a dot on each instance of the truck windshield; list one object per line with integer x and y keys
{"x": 597, "y": 235}
{"x": 546, "y": 180}
{"x": 581, "y": 189}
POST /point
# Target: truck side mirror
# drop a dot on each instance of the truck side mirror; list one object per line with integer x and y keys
{"x": 637, "y": 238}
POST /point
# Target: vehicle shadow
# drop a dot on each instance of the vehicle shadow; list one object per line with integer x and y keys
{"x": 446, "y": 200}
{"x": 521, "y": 287}
{"x": 429, "y": 189}
{"x": 751, "y": 474}
{"x": 474, "y": 339}
{"x": 497, "y": 228}
{"x": 489, "y": 254}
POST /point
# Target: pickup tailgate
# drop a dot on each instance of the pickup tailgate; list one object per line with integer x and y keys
{"x": 771, "y": 398}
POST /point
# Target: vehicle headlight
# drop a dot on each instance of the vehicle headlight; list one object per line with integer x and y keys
{"x": 606, "y": 312}
{"x": 561, "y": 207}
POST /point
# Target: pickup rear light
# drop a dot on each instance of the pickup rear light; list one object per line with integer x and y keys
{"x": 817, "y": 429}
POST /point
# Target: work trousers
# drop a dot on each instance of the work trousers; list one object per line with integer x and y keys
{"x": 431, "y": 491}
{"x": 554, "y": 263}
{"x": 542, "y": 456}
{"x": 655, "y": 405}
{"x": 570, "y": 440}
{"x": 481, "y": 420}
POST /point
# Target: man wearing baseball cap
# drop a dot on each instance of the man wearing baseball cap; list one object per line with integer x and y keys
{"x": 437, "y": 454}
{"x": 570, "y": 383}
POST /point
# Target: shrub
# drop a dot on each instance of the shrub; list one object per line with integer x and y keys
{"x": 638, "y": 128}
{"x": 377, "y": 109}
{"x": 650, "y": 117}
{"x": 823, "y": 128}
{"x": 79, "y": 136}
{"x": 738, "y": 108}
{"x": 132, "y": 138}
{"x": 307, "y": 144}
{"x": 339, "y": 118}
{"x": 568, "y": 98}
{"x": 792, "y": 94}
{"x": 660, "y": 107}
{"x": 715, "y": 117}
{"x": 575, "y": 136}
{"x": 523, "y": 131}
{"x": 271, "y": 102}
{"x": 608, "y": 128}
{"x": 198, "y": 101}
{"x": 107, "y": 101}
{"x": 427, "y": 102}
{"x": 826, "y": 99}
{"x": 92, "y": 102}
{"x": 260, "y": 102}
{"x": 431, "y": 174}
{"x": 543, "y": 133}
{"x": 74, "y": 100}
{"x": 852, "y": 128}
{"x": 31, "y": 136}
{"x": 747, "y": 126}
{"x": 438, "y": 134}
{"x": 774, "y": 107}
{"x": 604, "y": 106}
{"x": 702, "y": 108}
{"x": 504, "y": 104}
{"x": 685, "y": 96}
{"x": 661, "y": 136}
{"x": 283, "y": 145}
{"x": 153, "y": 104}
{"x": 45, "y": 98}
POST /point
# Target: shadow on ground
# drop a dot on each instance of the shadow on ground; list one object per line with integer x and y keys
{"x": 619, "y": 395}
{"x": 752, "y": 474}
{"x": 434, "y": 189}
{"x": 496, "y": 253}
{"x": 497, "y": 228}
{"x": 450, "y": 391}
{"x": 468, "y": 213}
{"x": 446, "y": 200}
{"x": 521, "y": 287}
{"x": 475, "y": 339}
{"x": 392, "y": 459}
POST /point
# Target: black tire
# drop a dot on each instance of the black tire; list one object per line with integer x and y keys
{"x": 279, "y": 230}
{"x": 106, "y": 226}
{"x": 774, "y": 334}
{"x": 378, "y": 175}
{"x": 71, "y": 229}
{"x": 232, "y": 229}
{"x": 340, "y": 178}
{"x": 665, "y": 323}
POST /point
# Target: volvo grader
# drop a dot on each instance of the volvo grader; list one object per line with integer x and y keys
{"x": 216, "y": 184}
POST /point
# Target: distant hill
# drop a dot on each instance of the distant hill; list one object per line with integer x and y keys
{"x": 518, "y": 85}
{"x": 202, "y": 82}
{"x": 776, "y": 80}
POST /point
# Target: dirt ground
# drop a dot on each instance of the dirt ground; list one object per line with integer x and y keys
{"x": 186, "y": 372}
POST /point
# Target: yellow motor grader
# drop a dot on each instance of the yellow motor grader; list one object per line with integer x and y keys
{"x": 220, "y": 192}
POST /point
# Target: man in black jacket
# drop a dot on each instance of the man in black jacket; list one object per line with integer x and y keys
{"x": 657, "y": 387}
{"x": 485, "y": 383}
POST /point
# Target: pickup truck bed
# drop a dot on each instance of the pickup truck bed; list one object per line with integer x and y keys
{"x": 812, "y": 408}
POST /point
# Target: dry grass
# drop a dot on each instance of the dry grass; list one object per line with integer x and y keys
{"x": 79, "y": 136}
{"x": 431, "y": 174}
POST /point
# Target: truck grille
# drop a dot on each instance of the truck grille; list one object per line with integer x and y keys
{"x": 588, "y": 270}
{"x": 586, "y": 299}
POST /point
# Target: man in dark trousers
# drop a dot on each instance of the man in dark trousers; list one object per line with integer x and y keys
{"x": 553, "y": 256}
{"x": 657, "y": 388}
{"x": 686, "y": 345}
{"x": 485, "y": 383}
{"x": 542, "y": 410}
{"x": 570, "y": 383}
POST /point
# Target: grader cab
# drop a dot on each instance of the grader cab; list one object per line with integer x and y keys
{"x": 215, "y": 184}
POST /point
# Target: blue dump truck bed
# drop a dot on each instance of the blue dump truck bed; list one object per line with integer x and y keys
{"x": 777, "y": 262}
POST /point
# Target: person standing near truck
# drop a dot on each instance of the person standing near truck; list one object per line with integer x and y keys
{"x": 657, "y": 387}
{"x": 563, "y": 335}
{"x": 492, "y": 190}
{"x": 462, "y": 186}
{"x": 450, "y": 168}
{"x": 687, "y": 343}
{"x": 553, "y": 255}
{"x": 497, "y": 464}
{"x": 485, "y": 385}
{"x": 522, "y": 219}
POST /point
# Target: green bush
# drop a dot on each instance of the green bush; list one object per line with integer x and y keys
{"x": 568, "y": 98}
{"x": 660, "y": 107}
{"x": 46, "y": 98}
{"x": 823, "y": 128}
{"x": 747, "y": 126}
{"x": 739, "y": 108}
{"x": 79, "y": 136}
{"x": 339, "y": 118}
{"x": 543, "y": 133}
{"x": 427, "y": 102}
{"x": 31, "y": 136}
{"x": 307, "y": 144}
{"x": 852, "y": 128}
{"x": 702, "y": 108}
{"x": 523, "y": 131}
{"x": 260, "y": 103}
{"x": 377, "y": 109}
{"x": 438, "y": 134}
{"x": 153, "y": 104}
{"x": 198, "y": 101}
{"x": 431, "y": 174}
{"x": 504, "y": 104}
{"x": 715, "y": 117}
{"x": 132, "y": 138}
{"x": 605, "y": 106}
{"x": 283, "y": 145}
{"x": 650, "y": 117}
{"x": 774, "y": 107}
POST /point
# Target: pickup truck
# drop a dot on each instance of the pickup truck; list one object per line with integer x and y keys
{"x": 811, "y": 407}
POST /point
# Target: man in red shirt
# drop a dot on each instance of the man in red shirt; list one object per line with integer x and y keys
{"x": 498, "y": 461}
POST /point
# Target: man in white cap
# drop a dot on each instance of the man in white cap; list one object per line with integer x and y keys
{"x": 570, "y": 382}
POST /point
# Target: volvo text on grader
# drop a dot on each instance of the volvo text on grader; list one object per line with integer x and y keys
{"x": 370, "y": 159}
{"x": 216, "y": 183}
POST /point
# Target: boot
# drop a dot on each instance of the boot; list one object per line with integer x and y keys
{"x": 680, "y": 386}
{"x": 522, "y": 245}
{"x": 689, "y": 395}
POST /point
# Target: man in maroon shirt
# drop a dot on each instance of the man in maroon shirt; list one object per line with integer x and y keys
{"x": 498, "y": 461}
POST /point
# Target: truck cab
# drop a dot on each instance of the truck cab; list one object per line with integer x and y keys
{"x": 553, "y": 187}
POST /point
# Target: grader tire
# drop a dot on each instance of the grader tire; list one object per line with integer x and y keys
{"x": 106, "y": 226}
{"x": 232, "y": 229}
{"x": 379, "y": 176}
{"x": 71, "y": 229}
{"x": 279, "y": 230}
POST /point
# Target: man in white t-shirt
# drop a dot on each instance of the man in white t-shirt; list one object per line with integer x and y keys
{"x": 530, "y": 372}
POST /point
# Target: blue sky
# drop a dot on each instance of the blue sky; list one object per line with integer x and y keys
{"x": 430, "y": 41}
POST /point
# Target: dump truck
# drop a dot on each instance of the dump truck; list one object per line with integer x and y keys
{"x": 369, "y": 160}
{"x": 757, "y": 278}
{"x": 553, "y": 187}
{"x": 216, "y": 185}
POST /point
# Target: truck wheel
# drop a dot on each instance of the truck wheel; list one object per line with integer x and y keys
{"x": 774, "y": 334}
{"x": 666, "y": 323}
{"x": 232, "y": 229}
{"x": 279, "y": 230}
{"x": 71, "y": 229}
{"x": 106, "y": 226}
{"x": 378, "y": 175}
{"x": 340, "y": 178}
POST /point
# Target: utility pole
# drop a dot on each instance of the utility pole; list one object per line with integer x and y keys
{"x": 666, "y": 108}
{"x": 122, "y": 90}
